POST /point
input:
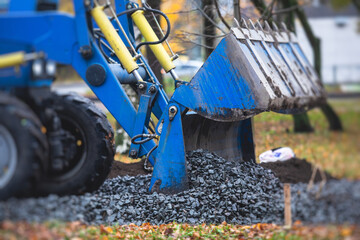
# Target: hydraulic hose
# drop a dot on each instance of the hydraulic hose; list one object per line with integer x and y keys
{"x": 168, "y": 29}
{"x": 147, "y": 137}
{"x": 154, "y": 43}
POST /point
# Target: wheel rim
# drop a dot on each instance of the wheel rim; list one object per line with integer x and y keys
{"x": 68, "y": 124}
{"x": 8, "y": 156}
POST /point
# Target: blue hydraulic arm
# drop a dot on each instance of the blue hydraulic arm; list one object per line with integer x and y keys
{"x": 63, "y": 38}
{"x": 70, "y": 39}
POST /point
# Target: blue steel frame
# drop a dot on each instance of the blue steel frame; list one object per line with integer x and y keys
{"x": 61, "y": 36}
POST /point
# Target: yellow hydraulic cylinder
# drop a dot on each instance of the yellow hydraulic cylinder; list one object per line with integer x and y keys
{"x": 114, "y": 39}
{"x": 150, "y": 36}
{"x": 12, "y": 59}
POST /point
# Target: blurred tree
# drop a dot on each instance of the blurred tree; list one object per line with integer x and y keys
{"x": 237, "y": 13}
{"x": 357, "y": 5}
{"x": 208, "y": 27}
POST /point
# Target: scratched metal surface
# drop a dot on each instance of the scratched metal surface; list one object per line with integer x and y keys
{"x": 249, "y": 73}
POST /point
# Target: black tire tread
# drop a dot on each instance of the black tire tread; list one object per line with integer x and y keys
{"x": 104, "y": 132}
{"x": 39, "y": 147}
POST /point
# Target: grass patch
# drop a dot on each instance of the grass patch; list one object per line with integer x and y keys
{"x": 336, "y": 152}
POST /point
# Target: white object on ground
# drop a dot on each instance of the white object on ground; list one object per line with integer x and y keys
{"x": 277, "y": 154}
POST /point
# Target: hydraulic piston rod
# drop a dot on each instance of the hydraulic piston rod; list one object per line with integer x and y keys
{"x": 17, "y": 58}
{"x": 115, "y": 41}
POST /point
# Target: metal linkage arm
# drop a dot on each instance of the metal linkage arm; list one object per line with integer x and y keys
{"x": 147, "y": 92}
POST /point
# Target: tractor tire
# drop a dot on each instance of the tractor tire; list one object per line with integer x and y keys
{"x": 23, "y": 148}
{"x": 94, "y": 144}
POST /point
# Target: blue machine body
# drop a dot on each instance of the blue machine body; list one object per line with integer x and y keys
{"x": 240, "y": 79}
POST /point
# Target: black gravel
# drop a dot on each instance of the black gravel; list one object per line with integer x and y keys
{"x": 241, "y": 193}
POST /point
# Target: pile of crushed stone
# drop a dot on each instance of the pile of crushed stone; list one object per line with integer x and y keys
{"x": 239, "y": 193}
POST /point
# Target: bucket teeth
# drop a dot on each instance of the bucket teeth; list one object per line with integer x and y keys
{"x": 267, "y": 26}
{"x": 275, "y": 27}
{"x": 237, "y": 23}
{"x": 251, "y": 24}
{"x": 259, "y": 26}
{"x": 283, "y": 27}
{"x": 244, "y": 24}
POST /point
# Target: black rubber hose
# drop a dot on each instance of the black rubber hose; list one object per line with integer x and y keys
{"x": 150, "y": 152}
{"x": 167, "y": 30}
{"x": 101, "y": 49}
{"x": 147, "y": 137}
{"x": 130, "y": 11}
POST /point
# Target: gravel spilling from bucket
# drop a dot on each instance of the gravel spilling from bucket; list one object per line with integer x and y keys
{"x": 241, "y": 193}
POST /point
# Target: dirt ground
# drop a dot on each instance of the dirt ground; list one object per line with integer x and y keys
{"x": 291, "y": 171}
{"x": 130, "y": 169}
{"x": 296, "y": 170}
